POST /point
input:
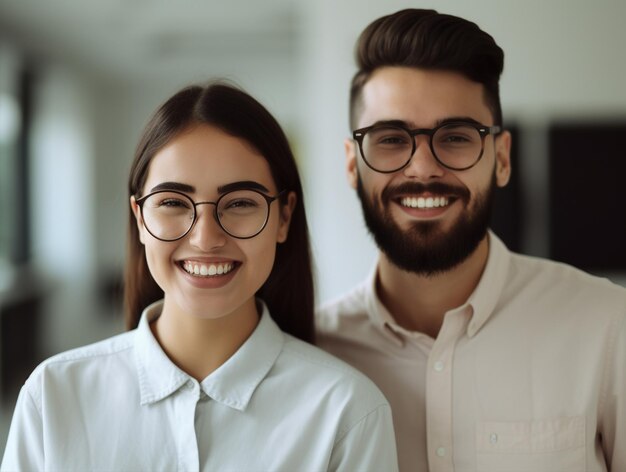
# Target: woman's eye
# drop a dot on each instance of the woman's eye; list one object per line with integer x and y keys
{"x": 173, "y": 203}
{"x": 241, "y": 204}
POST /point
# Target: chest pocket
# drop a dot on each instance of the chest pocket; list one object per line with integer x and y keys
{"x": 555, "y": 445}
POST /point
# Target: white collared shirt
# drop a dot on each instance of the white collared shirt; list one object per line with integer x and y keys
{"x": 528, "y": 376}
{"x": 276, "y": 404}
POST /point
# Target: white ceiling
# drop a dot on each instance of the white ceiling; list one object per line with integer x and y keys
{"x": 139, "y": 39}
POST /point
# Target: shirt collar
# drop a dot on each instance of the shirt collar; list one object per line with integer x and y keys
{"x": 232, "y": 384}
{"x": 235, "y": 381}
{"x": 159, "y": 377}
{"x": 481, "y": 302}
{"x": 380, "y": 316}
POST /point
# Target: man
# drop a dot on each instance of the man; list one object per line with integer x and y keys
{"x": 492, "y": 361}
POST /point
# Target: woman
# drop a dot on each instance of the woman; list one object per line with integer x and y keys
{"x": 207, "y": 379}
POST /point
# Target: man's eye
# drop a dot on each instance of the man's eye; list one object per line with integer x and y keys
{"x": 393, "y": 140}
{"x": 457, "y": 135}
{"x": 455, "y": 138}
{"x": 386, "y": 137}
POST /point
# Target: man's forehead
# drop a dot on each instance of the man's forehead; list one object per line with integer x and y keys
{"x": 421, "y": 97}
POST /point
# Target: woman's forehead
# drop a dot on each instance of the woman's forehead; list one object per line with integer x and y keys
{"x": 206, "y": 158}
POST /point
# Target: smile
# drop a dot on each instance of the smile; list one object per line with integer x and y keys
{"x": 425, "y": 202}
{"x": 199, "y": 269}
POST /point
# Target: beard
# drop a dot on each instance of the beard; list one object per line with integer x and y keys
{"x": 425, "y": 248}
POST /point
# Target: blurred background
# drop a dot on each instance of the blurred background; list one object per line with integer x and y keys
{"x": 79, "y": 79}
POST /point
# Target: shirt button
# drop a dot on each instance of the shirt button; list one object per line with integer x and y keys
{"x": 438, "y": 366}
{"x": 441, "y": 451}
{"x": 189, "y": 385}
{"x": 493, "y": 438}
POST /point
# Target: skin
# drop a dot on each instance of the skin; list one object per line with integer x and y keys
{"x": 205, "y": 320}
{"x": 422, "y": 99}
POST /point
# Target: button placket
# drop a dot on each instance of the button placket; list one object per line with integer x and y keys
{"x": 186, "y": 403}
{"x": 439, "y": 392}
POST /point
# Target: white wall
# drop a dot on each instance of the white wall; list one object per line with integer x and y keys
{"x": 64, "y": 204}
{"x": 10, "y": 118}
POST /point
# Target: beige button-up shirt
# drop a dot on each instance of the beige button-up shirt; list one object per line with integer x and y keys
{"x": 528, "y": 375}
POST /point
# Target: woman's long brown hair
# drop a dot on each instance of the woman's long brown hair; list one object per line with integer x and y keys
{"x": 288, "y": 292}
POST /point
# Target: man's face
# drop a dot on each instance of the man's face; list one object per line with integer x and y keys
{"x": 425, "y": 218}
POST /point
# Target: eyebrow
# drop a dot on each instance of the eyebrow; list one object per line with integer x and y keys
{"x": 462, "y": 119}
{"x": 244, "y": 184}
{"x": 173, "y": 186}
{"x": 180, "y": 187}
{"x": 443, "y": 121}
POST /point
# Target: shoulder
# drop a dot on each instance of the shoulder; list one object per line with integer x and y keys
{"x": 565, "y": 278}
{"x": 105, "y": 348}
{"x": 348, "y": 308}
{"x": 546, "y": 288}
{"x": 332, "y": 396}
{"x": 329, "y": 374}
{"x": 72, "y": 365}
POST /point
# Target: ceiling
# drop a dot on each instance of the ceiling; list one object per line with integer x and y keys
{"x": 138, "y": 39}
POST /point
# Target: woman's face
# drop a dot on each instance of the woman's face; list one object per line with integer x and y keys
{"x": 203, "y": 162}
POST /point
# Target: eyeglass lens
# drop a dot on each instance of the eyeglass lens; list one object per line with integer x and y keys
{"x": 456, "y": 146}
{"x": 170, "y": 215}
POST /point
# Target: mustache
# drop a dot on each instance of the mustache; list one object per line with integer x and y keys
{"x": 437, "y": 188}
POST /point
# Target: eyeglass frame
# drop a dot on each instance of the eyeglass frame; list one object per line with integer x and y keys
{"x": 268, "y": 199}
{"x": 359, "y": 134}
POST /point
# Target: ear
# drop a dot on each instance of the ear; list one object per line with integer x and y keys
{"x": 503, "y": 158}
{"x": 351, "y": 161}
{"x": 286, "y": 211}
{"x": 138, "y": 219}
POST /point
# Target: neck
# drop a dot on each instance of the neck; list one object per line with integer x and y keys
{"x": 418, "y": 302}
{"x": 199, "y": 346}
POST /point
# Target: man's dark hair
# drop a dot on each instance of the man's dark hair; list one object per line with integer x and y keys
{"x": 427, "y": 39}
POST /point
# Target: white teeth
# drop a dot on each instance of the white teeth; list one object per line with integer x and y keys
{"x": 209, "y": 270}
{"x": 424, "y": 202}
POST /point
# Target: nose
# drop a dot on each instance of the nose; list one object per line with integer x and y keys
{"x": 423, "y": 165}
{"x": 206, "y": 233}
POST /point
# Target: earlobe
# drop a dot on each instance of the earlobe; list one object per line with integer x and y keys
{"x": 138, "y": 220}
{"x": 503, "y": 158}
{"x": 351, "y": 162}
{"x": 286, "y": 212}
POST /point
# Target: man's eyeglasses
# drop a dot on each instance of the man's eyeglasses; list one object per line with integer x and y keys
{"x": 456, "y": 145}
{"x": 169, "y": 215}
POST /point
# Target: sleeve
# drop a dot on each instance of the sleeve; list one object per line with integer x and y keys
{"x": 370, "y": 445}
{"x": 24, "y": 448}
{"x": 613, "y": 414}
